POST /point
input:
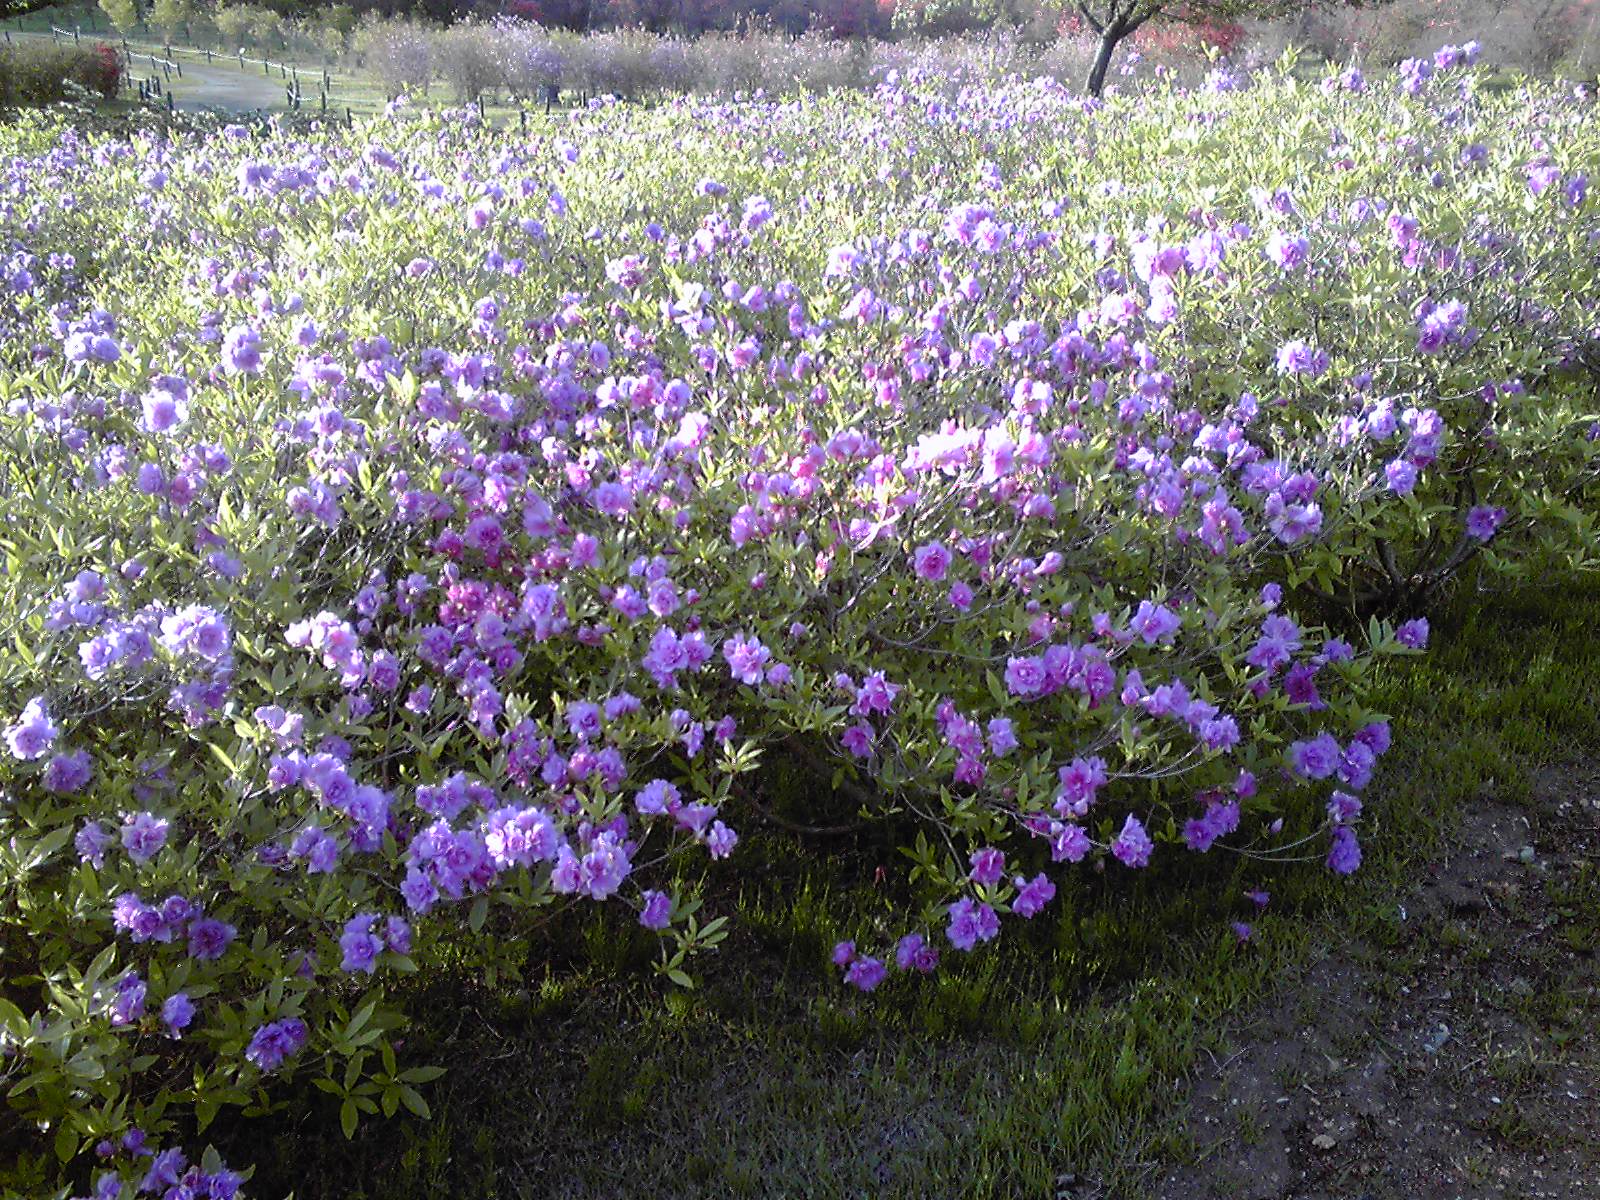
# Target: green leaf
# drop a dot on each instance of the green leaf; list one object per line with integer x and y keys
{"x": 414, "y": 1101}
{"x": 349, "y": 1116}
{"x": 13, "y": 1019}
{"x": 222, "y": 757}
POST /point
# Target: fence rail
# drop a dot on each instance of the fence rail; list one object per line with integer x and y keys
{"x": 170, "y": 61}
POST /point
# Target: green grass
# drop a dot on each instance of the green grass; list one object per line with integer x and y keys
{"x": 1055, "y": 1054}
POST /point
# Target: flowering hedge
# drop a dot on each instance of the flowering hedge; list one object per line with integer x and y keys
{"x": 32, "y": 73}
{"x": 416, "y": 527}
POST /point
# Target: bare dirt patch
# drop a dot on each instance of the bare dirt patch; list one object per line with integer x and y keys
{"x": 1456, "y": 1061}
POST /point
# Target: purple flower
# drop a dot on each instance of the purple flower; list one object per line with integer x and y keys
{"x": 360, "y": 944}
{"x": 1025, "y": 676}
{"x": 875, "y": 695}
{"x": 914, "y": 953}
{"x": 1002, "y": 736}
{"x": 1032, "y": 895}
{"x": 1413, "y": 634}
{"x": 931, "y": 562}
{"x": 1287, "y": 251}
{"x": 1344, "y": 856}
{"x": 1154, "y": 623}
{"x": 657, "y": 911}
{"x": 1541, "y": 175}
{"x": 1343, "y": 808}
{"x": 34, "y": 733}
{"x": 1080, "y": 781}
{"x": 127, "y": 1003}
{"x": 177, "y": 1012}
{"x": 1316, "y": 758}
{"x": 1280, "y": 638}
{"x": 656, "y": 798}
{"x": 1133, "y": 845}
{"x": 720, "y": 840}
{"x": 150, "y": 479}
{"x": 1298, "y": 358}
{"x": 747, "y": 659}
{"x": 1375, "y": 737}
{"x": 1069, "y": 843}
{"x": 164, "y": 411}
{"x": 971, "y": 923}
{"x": 858, "y": 739}
{"x": 988, "y": 865}
{"x": 143, "y": 835}
{"x": 209, "y": 939}
{"x": 865, "y": 973}
{"x": 68, "y": 773}
{"x": 241, "y": 350}
{"x": 92, "y": 842}
{"x": 1483, "y": 520}
{"x": 1401, "y": 475}
{"x": 1201, "y": 833}
{"x": 276, "y": 1041}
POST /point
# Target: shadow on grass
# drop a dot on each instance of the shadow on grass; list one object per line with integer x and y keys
{"x": 1054, "y": 1053}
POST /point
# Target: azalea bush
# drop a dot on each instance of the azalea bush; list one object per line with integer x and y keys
{"x": 39, "y": 74}
{"x": 420, "y": 529}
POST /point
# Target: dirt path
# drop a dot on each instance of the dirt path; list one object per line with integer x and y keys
{"x": 221, "y": 86}
{"x": 1458, "y": 1061}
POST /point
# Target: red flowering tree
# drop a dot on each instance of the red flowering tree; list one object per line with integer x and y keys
{"x": 1114, "y": 20}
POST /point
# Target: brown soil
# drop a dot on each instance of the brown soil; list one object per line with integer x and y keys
{"x": 1459, "y": 1062}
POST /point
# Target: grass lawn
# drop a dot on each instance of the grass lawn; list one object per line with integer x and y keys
{"x": 1055, "y": 1057}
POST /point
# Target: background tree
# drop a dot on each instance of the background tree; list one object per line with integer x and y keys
{"x": 124, "y": 14}
{"x": 1112, "y": 21}
{"x": 169, "y": 16}
{"x": 18, "y": 8}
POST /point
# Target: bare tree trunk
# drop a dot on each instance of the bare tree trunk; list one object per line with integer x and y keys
{"x": 1109, "y": 37}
